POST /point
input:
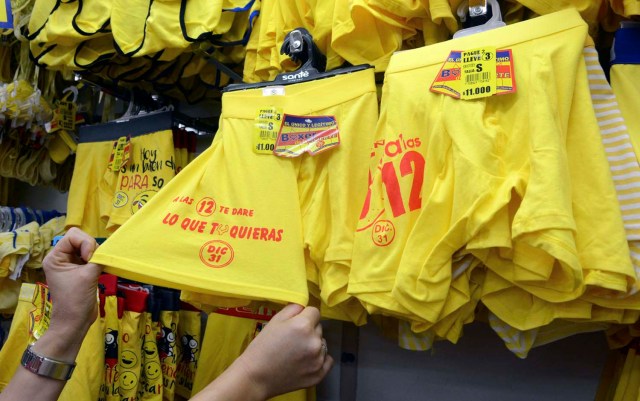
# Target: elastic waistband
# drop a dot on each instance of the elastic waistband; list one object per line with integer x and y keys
{"x": 134, "y": 127}
{"x": 625, "y": 45}
{"x": 501, "y": 38}
{"x": 302, "y": 98}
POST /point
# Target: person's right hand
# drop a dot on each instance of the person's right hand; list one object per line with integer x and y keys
{"x": 288, "y": 354}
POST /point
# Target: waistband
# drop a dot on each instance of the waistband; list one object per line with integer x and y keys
{"x": 302, "y": 98}
{"x": 500, "y": 38}
{"x": 625, "y": 45}
{"x": 134, "y": 127}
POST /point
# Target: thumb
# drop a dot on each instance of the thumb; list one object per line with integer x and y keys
{"x": 287, "y": 312}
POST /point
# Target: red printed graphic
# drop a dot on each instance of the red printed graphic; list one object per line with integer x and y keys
{"x": 412, "y": 164}
{"x": 206, "y": 206}
{"x": 383, "y": 233}
{"x": 216, "y": 254}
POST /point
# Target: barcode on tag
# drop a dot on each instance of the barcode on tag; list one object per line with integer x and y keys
{"x": 480, "y": 77}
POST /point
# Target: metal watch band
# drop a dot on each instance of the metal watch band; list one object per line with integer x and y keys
{"x": 47, "y": 367}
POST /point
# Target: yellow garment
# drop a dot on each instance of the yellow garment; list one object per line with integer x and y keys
{"x": 111, "y": 317}
{"x": 18, "y": 337}
{"x": 225, "y": 338}
{"x": 150, "y": 168}
{"x": 355, "y": 23}
{"x": 625, "y": 8}
{"x": 128, "y": 22}
{"x": 15, "y": 247}
{"x": 151, "y": 377}
{"x": 9, "y": 294}
{"x": 234, "y": 240}
{"x": 83, "y": 203}
{"x": 198, "y": 19}
{"x": 132, "y": 330}
{"x": 190, "y": 342}
{"x": 168, "y": 351}
{"x": 535, "y": 232}
{"x": 86, "y": 380}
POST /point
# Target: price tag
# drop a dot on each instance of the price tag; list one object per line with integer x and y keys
{"x": 266, "y": 128}
{"x": 120, "y": 154}
{"x": 478, "y": 73}
{"x": 40, "y": 315}
{"x": 67, "y": 115}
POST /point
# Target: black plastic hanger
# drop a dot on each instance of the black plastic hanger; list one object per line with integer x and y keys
{"x": 299, "y": 45}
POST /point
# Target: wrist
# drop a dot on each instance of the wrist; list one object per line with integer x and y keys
{"x": 59, "y": 343}
{"x": 257, "y": 386}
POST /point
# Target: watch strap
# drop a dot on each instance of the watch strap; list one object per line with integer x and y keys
{"x": 47, "y": 367}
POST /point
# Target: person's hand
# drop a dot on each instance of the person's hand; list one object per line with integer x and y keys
{"x": 288, "y": 354}
{"x": 72, "y": 283}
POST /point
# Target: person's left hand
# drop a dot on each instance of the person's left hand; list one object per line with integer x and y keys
{"x": 72, "y": 282}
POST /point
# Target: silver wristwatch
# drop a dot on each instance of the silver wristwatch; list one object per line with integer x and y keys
{"x": 46, "y": 367}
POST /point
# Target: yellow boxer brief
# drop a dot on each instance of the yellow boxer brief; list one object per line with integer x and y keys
{"x": 458, "y": 219}
{"x": 162, "y": 29}
{"x": 227, "y": 335}
{"x": 87, "y": 379}
{"x": 128, "y": 22}
{"x": 92, "y": 17}
{"x": 167, "y": 340}
{"x": 234, "y": 241}
{"x": 132, "y": 329}
{"x": 625, "y": 80}
{"x": 199, "y": 18}
{"x": 18, "y": 337}
{"x": 190, "y": 342}
{"x": 15, "y": 247}
{"x": 151, "y": 377}
{"x": 9, "y": 294}
{"x": 356, "y": 22}
{"x": 111, "y": 310}
{"x": 152, "y": 165}
{"x": 83, "y": 203}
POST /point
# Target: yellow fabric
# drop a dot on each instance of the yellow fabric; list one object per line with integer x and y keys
{"x": 195, "y": 23}
{"x": 83, "y": 203}
{"x": 15, "y": 247}
{"x": 128, "y": 22}
{"x": 313, "y": 196}
{"x": 355, "y": 23}
{"x": 625, "y": 8}
{"x": 162, "y": 28}
{"x": 112, "y": 326}
{"x": 18, "y": 337}
{"x": 168, "y": 351}
{"x": 225, "y": 338}
{"x": 151, "y": 378}
{"x": 85, "y": 382}
{"x": 93, "y": 17}
{"x": 190, "y": 343}
{"x": 149, "y": 169}
{"x": 87, "y": 377}
{"x": 9, "y": 294}
{"x": 535, "y": 232}
{"x": 130, "y": 354}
